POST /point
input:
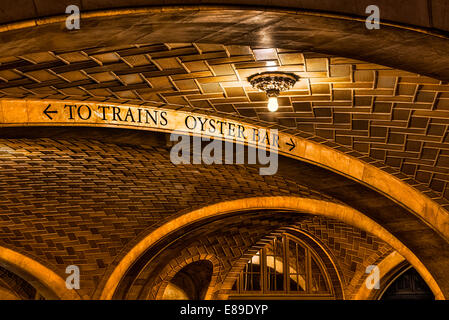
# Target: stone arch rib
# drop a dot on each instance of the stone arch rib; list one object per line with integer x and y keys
{"x": 301, "y": 205}
{"x": 46, "y": 278}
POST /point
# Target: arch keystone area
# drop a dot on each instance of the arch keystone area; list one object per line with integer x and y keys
{"x": 300, "y": 205}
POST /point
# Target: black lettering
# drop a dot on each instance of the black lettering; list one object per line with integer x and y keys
{"x": 129, "y": 114}
{"x": 187, "y": 125}
{"x": 70, "y": 110}
{"x": 164, "y": 120}
{"x": 231, "y": 129}
{"x": 241, "y": 129}
{"x": 116, "y": 114}
{"x": 139, "y": 115}
{"x": 221, "y": 123}
{"x": 212, "y": 125}
{"x": 80, "y": 113}
{"x": 275, "y": 140}
{"x": 153, "y": 118}
{"x": 267, "y": 139}
{"x": 202, "y": 123}
{"x": 103, "y": 108}
{"x": 256, "y": 135}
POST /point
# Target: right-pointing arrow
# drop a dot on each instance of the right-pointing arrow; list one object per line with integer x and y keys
{"x": 291, "y": 144}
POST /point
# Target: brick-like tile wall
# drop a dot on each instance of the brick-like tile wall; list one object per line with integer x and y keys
{"x": 395, "y": 119}
{"x": 227, "y": 240}
{"x": 16, "y": 284}
{"x": 353, "y": 249}
{"x": 230, "y": 242}
{"x": 79, "y": 201}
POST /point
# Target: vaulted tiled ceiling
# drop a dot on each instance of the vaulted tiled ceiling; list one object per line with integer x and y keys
{"x": 393, "y": 116}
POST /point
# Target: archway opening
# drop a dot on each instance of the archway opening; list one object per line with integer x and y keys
{"x": 285, "y": 267}
{"x": 191, "y": 282}
{"x": 14, "y": 287}
{"x": 408, "y": 285}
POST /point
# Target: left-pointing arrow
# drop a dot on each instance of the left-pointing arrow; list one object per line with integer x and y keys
{"x": 47, "y": 112}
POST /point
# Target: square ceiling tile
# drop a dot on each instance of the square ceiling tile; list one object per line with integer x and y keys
{"x": 168, "y": 63}
{"x": 106, "y": 58}
{"x": 40, "y": 57}
{"x": 211, "y": 88}
{"x": 188, "y": 84}
{"x": 103, "y": 76}
{"x": 222, "y": 69}
{"x": 316, "y": 65}
{"x": 291, "y": 58}
{"x": 209, "y": 47}
{"x": 196, "y": 66}
{"x": 265, "y": 54}
{"x": 137, "y": 60}
{"x": 235, "y": 92}
{"x": 41, "y": 75}
{"x": 239, "y": 50}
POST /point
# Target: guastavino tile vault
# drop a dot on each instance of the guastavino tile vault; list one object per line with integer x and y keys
{"x": 163, "y": 150}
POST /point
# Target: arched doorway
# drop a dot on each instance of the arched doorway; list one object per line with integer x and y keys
{"x": 407, "y": 285}
{"x": 286, "y": 268}
{"x": 190, "y": 283}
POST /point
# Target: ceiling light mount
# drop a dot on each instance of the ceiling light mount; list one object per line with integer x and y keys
{"x": 273, "y": 83}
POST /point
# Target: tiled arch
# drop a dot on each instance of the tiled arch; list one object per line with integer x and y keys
{"x": 165, "y": 277}
{"x": 328, "y": 30}
{"x": 332, "y": 268}
{"x": 311, "y": 206}
{"x": 43, "y": 277}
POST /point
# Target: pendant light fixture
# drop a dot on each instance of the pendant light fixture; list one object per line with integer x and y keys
{"x": 273, "y": 83}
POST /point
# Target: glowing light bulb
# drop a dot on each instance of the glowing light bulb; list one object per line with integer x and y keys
{"x": 273, "y": 104}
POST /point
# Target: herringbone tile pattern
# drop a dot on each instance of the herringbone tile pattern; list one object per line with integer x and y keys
{"x": 80, "y": 201}
{"x": 392, "y": 118}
